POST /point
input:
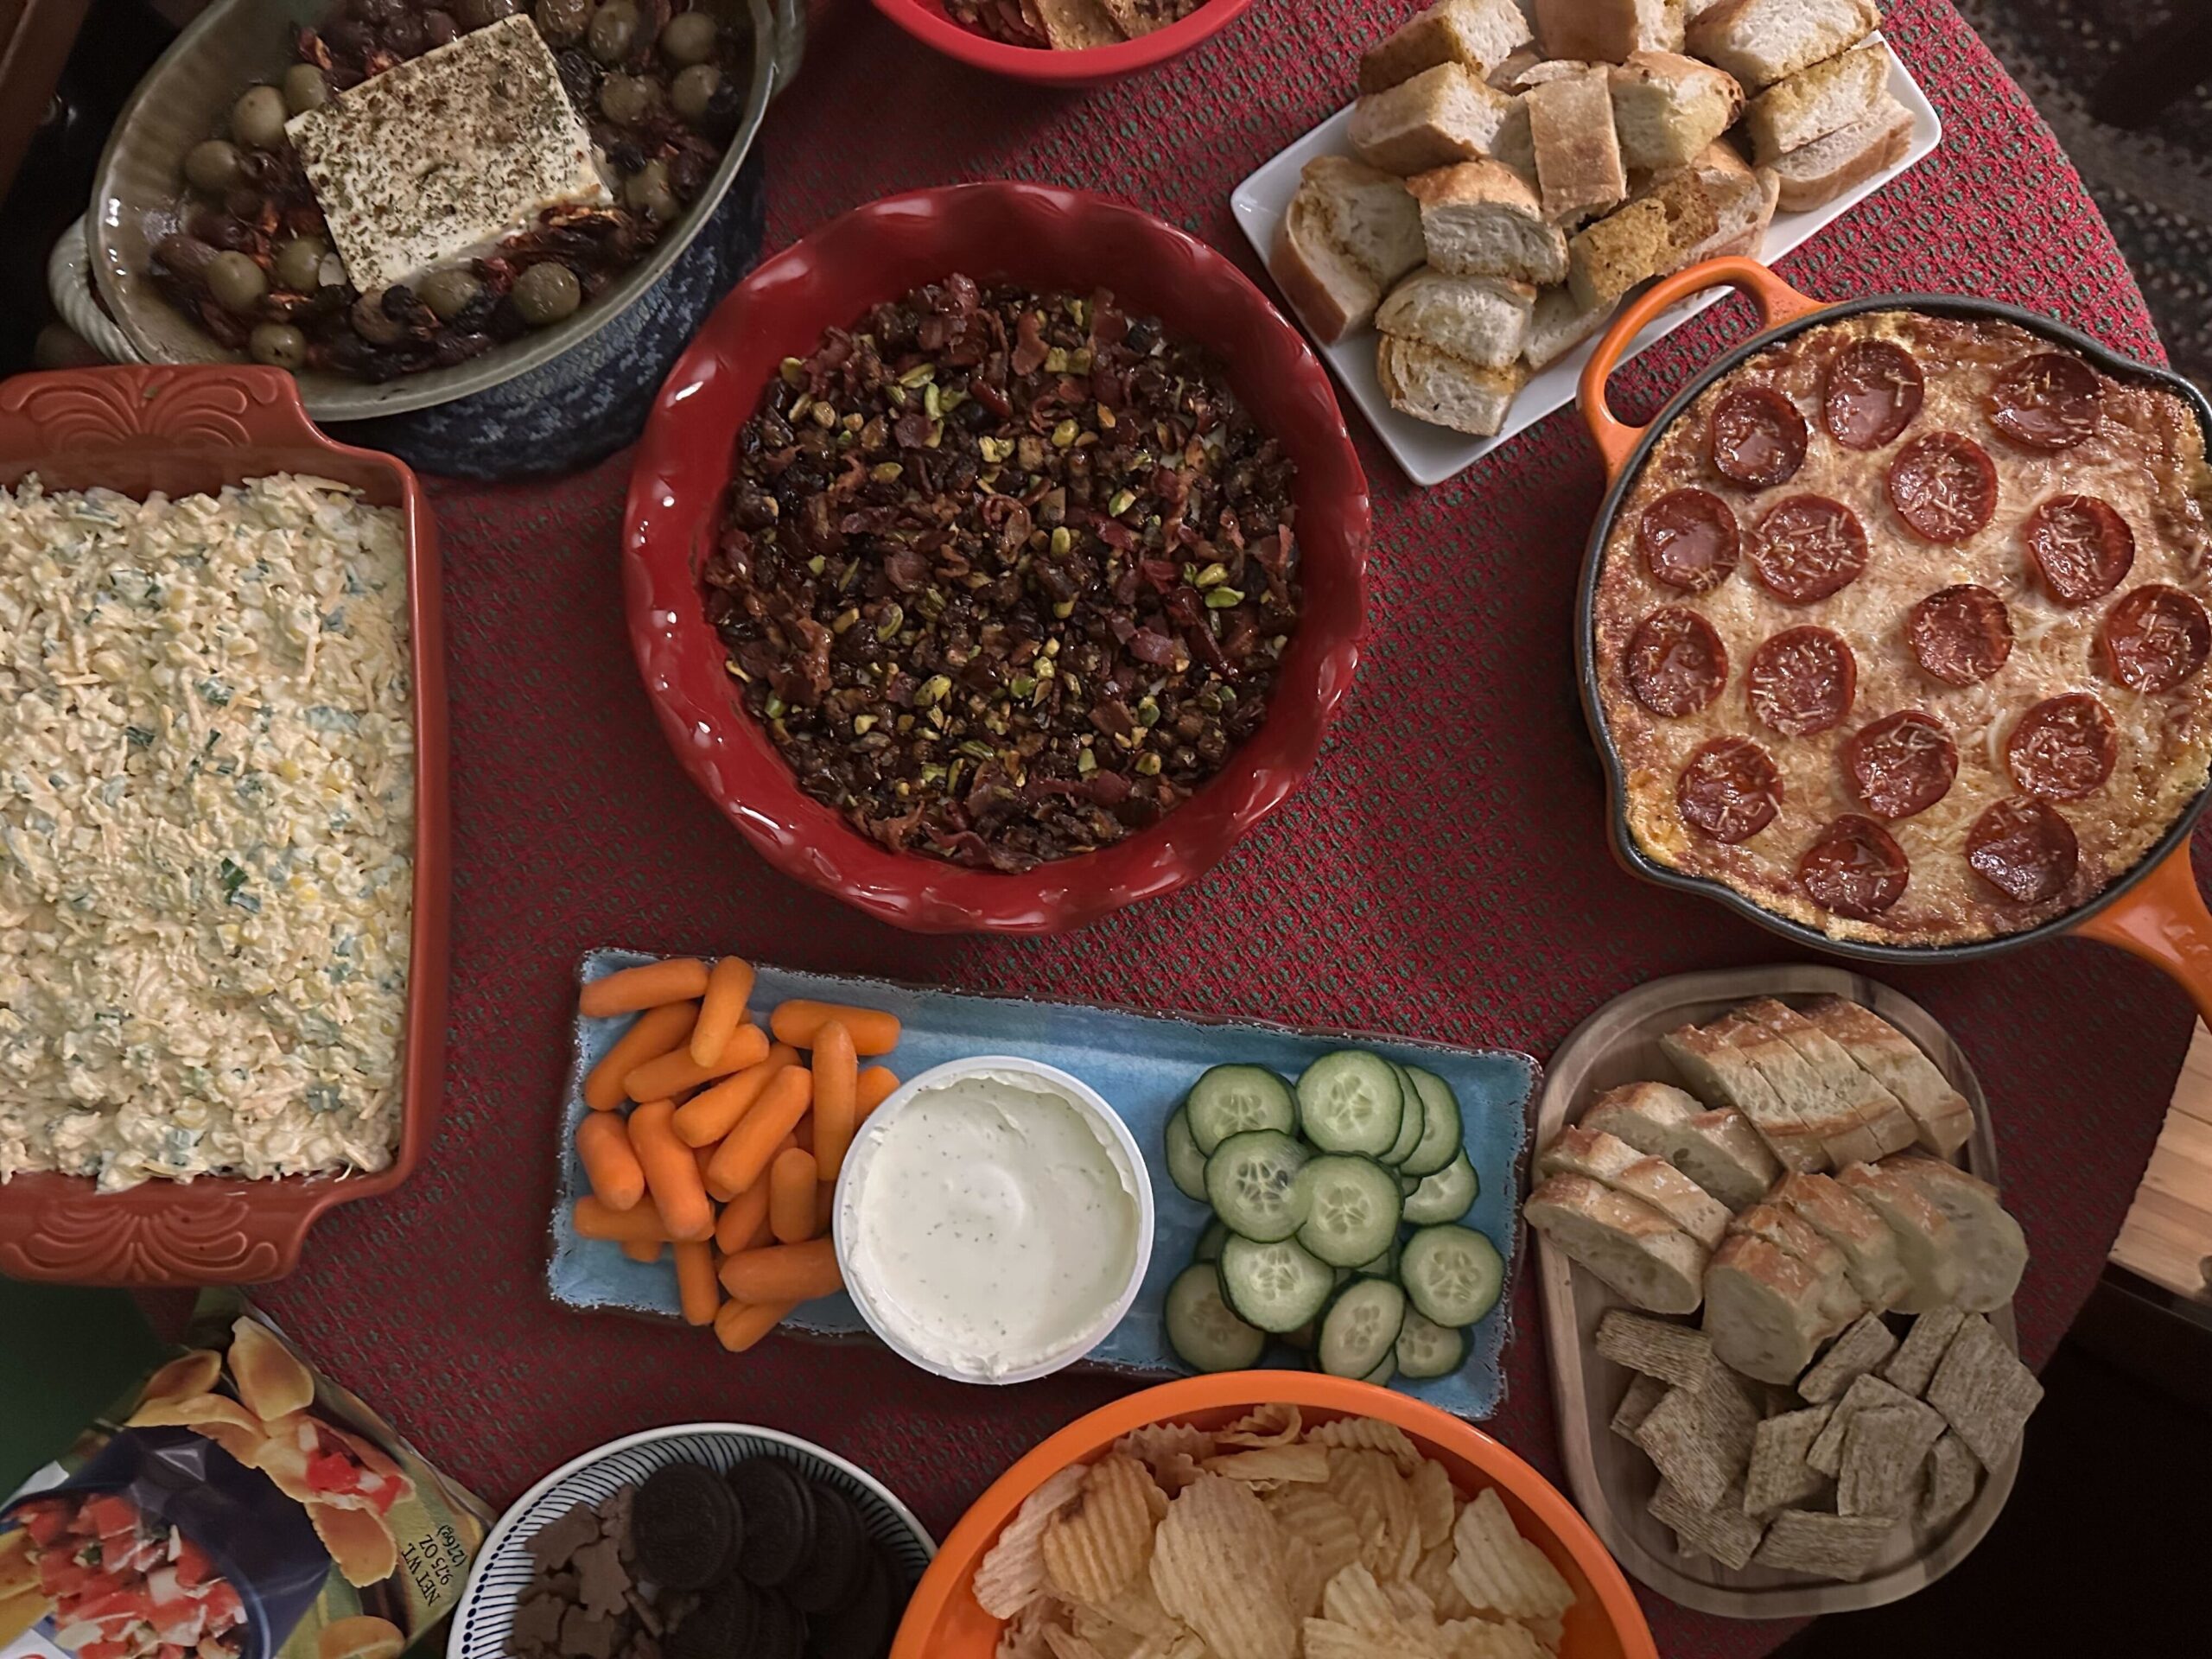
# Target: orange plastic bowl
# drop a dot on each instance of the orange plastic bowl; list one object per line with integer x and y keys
{"x": 944, "y": 1622}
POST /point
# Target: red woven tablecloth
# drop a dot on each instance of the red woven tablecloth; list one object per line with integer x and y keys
{"x": 1444, "y": 874}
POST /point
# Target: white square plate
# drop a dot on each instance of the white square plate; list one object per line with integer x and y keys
{"x": 1432, "y": 453}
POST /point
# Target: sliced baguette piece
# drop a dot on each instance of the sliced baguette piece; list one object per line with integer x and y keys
{"x": 1479, "y": 34}
{"x": 1578, "y": 154}
{"x": 1484, "y": 320}
{"x": 1841, "y": 1306}
{"x": 1991, "y": 1250}
{"x": 1743, "y": 202}
{"x": 1648, "y": 236}
{"x": 1580, "y": 1150}
{"x": 1625, "y": 1243}
{"x": 1817, "y": 101}
{"x": 1609, "y": 29}
{"x": 1561, "y": 323}
{"x": 1880, "y": 1111}
{"x": 1442, "y": 115}
{"x": 1839, "y": 1216}
{"x": 1763, "y": 1310}
{"x": 1939, "y": 1112}
{"x": 1926, "y": 1249}
{"x": 1717, "y": 1150}
{"x": 1824, "y": 169}
{"x": 1761, "y": 41}
{"x": 1721, "y": 1074}
{"x": 1667, "y": 108}
{"x": 1435, "y": 386}
{"x": 1481, "y": 218}
{"x": 1844, "y": 1136}
{"x": 1351, "y": 231}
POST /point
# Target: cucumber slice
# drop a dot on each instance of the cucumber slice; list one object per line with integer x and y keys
{"x": 1350, "y": 1101}
{"x": 1441, "y": 1131}
{"x": 1211, "y": 1241}
{"x": 1411, "y": 1123}
{"x": 1231, "y": 1099}
{"x": 1360, "y": 1329}
{"x": 1445, "y": 1196}
{"x": 1277, "y": 1287}
{"x": 1352, "y": 1208}
{"x": 1381, "y": 1375}
{"x": 1426, "y": 1349}
{"x": 1453, "y": 1274}
{"x": 1186, "y": 1165}
{"x": 1203, "y": 1330}
{"x": 1252, "y": 1182}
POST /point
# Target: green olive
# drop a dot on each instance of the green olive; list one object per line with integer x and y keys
{"x": 257, "y": 118}
{"x": 647, "y": 191}
{"x": 689, "y": 38}
{"x": 213, "y": 166}
{"x": 236, "y": 282}
{"x": 373, "y": 323}
{"x": 449, "y": 292}
{"x": 279, "y": 345}
{"x": 299, "y": 264}
{"x": 546, "y": 293}
{"x": 305, "y": 88}
{"x": 627, "y": 99}
{"x": 617, "y": 31}
{"x": 694, "y": 91}
{"x": 562, "y": 20}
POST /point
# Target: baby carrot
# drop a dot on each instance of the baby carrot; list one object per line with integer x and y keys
{"x": 650, "y": 1035}
{"x": 872, "y": 1031}
{"x": 643, "y": 1250}
{"x": 713, "y": 1112}
{"x": 603, "y": 1143}
{"x": 658, "y": 1079}
{"x": 672, "y": 1172}
{"x": 741, "y": 1217}
{"x": 628, "y": 989}
{"x": 694, "y": 1282}
{"x": 744, "y": 1155}
{"x": 870, "y": 1089}
{"x": 641, "y": 1225}
{"x": 825, "y": 1207}
{"x": 836, "y": 1082}
{"x": 791, "y": 1196}
{"x": 763, "y": 1235}
{"x": 722, "y": 1009}
{"x": 781, "y": 1272}
{"x": 740, "y": 1327}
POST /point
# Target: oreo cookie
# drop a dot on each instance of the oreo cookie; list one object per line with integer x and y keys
{"x": 778, "y": 1514}
{"x": 781, "y": 1632}
{"x": 834, "y": 1571}
{"x": 686, "y": 1528}
{"x": 725, "y": 1625}
{"x": 859, "y": 1627}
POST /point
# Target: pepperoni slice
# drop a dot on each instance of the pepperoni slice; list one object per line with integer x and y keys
{"x": 2048, "y": 401}
{"x": 1874, "y": 389}
{"x": 1854, "y": 867}
{"x": 1944, "y": 486}
{"x": 2024, "y": 849}
{"x": 1758, "y": 437}
{"x": 1688, "y": 540}
{"x": 1675, "y": 662}
{"x": 1807, "y": 548}
{"x": 1802, "y": 680}
{"x": 2083, "y": 546}
{"x": 2154, "y": 638}
{"x": 2063, "y": 748}
{"x": 1962, "y": 635}
{"x": 1901, "y": 765}
{"x": 1730, "y": 789}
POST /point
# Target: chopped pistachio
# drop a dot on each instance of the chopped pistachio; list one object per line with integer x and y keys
{"x": 822, "y": 416}
{"x": 1220, "y": 599}
{"x": 1064, "y": 609}
{"x": 1213, "y": 575}
{"x": 977, "y": 750}
{"x": 793, "y": 371}
{"x": 774, "y": 707}
{"x": 1056, "y": 361}
{"x": 817, "y": 564}
{"x": 1064, "y": 434}
{"x": 733, "y": 669}
{"x": 1079, "y": 360}
{"x": 931, "y": 689}
{"x": 995, "y": 450}
{"x": 1061, "y": 539}
{"x": 1148, "y": 764}
{"x": 932, "y": 403}
{"x": 885, "y": 471}
{"x": 1020, "y": 685}
{"x": 853, "y": 422}
{"x": 1106, "y": 417}
{"x": 894, "y": 619}
{"x": 1052, "y": 647}
{"x": 863, "y": 724}
{"x": 1086, "y": 762}
{"x": 1122, "y": 501}
{"x": 919, "y": 374}
{"x": 1046, "y": 666}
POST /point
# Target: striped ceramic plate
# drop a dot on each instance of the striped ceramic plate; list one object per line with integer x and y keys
{"x": 503, "y": 1568}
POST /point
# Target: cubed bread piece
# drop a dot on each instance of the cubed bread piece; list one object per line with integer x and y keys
{"x": 1648, "y": 236}
{"x": 1479, "y": 34}
{"x": 1484, "y": 320}
{"x": 1350, "y": 232}
{"x": 1609, "y": 29}
{"x": 1743, "y": 197}
{"x": 1447, "y": 391}
{"x": 1879, "y": 1112}
{"x": 1870, "y": 1249}
{"x": 1991, "y": 1250}
{"x": 1719, "y": 1073}
{"x": 1939, "y": 1112}
{"x": 1577, "y": 156}
{"x": 1760, "y": 41}
{"x": 1717, "y": 1150}
{"x": 1667, "y": 107}
{"x": 1840, "y": 1303}
{"x": 1824, "y": 169}
{"x": 1481, "y": 218}
{"x": 1817, "y": 101}
{"x": 1624, "y": 1241}
{"x": 1442, "y": 115}
{"x": 1926, "y": 1249}
{"x": 1561, "y": 323}
{"x": 1526, "y": 69}
{"x": 1763, "y": 1309}
{"x": 1331, "y": 290}
{"x": 1822, "y": 1108}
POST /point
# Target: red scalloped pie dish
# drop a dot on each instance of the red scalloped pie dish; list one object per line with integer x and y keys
{"x": 1045, "y": 238}
{"x": 927, "y": 21}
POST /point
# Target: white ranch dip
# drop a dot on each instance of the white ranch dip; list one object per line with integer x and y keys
{"x": 990, "y": 1225}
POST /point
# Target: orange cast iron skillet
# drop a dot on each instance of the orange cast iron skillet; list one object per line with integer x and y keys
{"x": 2154, "y": 910}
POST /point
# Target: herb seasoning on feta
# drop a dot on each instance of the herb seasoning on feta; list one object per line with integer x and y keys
{"x": 207, "y": 814}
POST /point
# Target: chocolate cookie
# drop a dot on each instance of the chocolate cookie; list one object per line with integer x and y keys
{"x": 861, "y": 1626}
{"x": 725, "y": 1625}
{"x": 833, "y": 1572}
{"x": 685, "y": 1528}
{"x": 777, "y": 1511}
{"x": 781, "y": 1633}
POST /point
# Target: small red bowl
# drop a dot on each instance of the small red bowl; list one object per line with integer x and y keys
{"x": 928, "y": 22}
{"x": 1045, "y": 238}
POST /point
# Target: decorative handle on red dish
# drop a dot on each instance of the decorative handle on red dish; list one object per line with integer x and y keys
{"x": 145, "y": 406}
{"x": 1777, "y": 302}
{"x": 56, "y": 1228}
{"x": 2162, "y": 920}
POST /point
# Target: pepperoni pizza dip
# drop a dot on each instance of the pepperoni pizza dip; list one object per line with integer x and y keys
{"x": 1901, "y": 631}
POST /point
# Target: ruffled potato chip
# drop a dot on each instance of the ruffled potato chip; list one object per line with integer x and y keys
{"x": 1013, "y": 1574}
{"x": 1023, "y": 1635}
{"x": 1279, "y": 1463}
{"x": 1483, "y": 1638}
{"x": 1321, "y": 1519}
{"x": 1136, "y": 1609}
{"x": 1371, "y": 1434}
{"x": 1498, "y": 1570}
{"x": 1172, "y": 1450}
{"x": 1066, "y": 1644}
{"x": 271, "y": 1381}
{"x": 1272, "y": 1424}
{"x": 1369, "y": 1485}
{"x": 1096, "y": 1543}
{"x": 1354, "y": 1597}
{"x": 1432, "y": 1575}
{"x": 196, "y": 1372}
{"x": 1435, "y": 1504}
{"x": 362, "y": 1637}
{"x": 1217, "y": 1566}
{"x": 359, "y": 1540}
{"x": 1303, "y": 1580}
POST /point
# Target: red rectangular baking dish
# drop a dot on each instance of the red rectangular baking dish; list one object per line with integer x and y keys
{"x": 182, "y": 430}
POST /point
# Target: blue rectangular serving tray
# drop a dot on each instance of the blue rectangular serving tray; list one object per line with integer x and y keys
{"x": 1143, "y": 1064}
